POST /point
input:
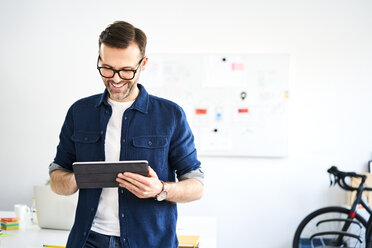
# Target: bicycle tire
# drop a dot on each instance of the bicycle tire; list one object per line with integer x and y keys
{"x": 304, "y": 231}
{"x": 369, "y": 234}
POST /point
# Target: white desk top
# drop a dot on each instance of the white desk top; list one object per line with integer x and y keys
{"x": 32, "y": 236}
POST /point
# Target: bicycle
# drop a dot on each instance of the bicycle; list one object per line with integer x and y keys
{"x": 337, "y": 226}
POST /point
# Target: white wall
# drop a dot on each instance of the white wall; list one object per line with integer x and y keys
{"x": 48, "y": 53}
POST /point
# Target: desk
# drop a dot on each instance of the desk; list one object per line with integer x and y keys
{"x": 32, "y": 236}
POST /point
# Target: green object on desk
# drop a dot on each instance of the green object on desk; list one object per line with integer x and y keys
{"x": 54, "y": 246}
{"x": 6, "y": 234}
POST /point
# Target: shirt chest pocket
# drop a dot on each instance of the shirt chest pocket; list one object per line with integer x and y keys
{"x": 152, "y": 149}
{"x": 88, "y": 146}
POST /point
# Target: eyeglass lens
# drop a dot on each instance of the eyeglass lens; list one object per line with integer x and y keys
{"x": 107, "y": 72}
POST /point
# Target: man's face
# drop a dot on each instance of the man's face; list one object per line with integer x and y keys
{"x": 119, "y": 89}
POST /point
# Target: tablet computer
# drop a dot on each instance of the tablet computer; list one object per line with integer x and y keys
{"x": 100, "y": 174}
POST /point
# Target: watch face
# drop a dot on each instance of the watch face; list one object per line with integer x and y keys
{"x": 161, "y": 196}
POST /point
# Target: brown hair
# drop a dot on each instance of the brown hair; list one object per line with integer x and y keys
{"x": 120, "y": 34}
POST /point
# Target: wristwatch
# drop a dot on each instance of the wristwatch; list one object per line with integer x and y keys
{"x": 163, "y": 194}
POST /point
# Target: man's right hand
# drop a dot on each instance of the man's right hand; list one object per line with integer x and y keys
{"x": 63, "y": 182}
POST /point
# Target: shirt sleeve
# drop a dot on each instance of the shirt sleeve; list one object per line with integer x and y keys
{"x": 196, "y": 174}
{"x": 54, "y": 166}
{"x": 66, "y": 154}
{"x": 182, "y": 153}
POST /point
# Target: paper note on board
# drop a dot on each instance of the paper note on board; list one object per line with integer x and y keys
{"x": 215, "y": 139}
{"x": 224, "y": 71}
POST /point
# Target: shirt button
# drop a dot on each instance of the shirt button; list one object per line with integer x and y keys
{"x": 125, "y": 118}
{"x": 122, "y": 215}
{"x": 92, "y": 209}
{"x": 124, "y": 239}
{"x": 85, "y": 138}
{"x": 123, "y": 140}
{"x": 84, "y": 233}
{"x": 150, "y": 143}
{"x": 122, "y": 191}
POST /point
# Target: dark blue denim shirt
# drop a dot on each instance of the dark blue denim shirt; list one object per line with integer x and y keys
{"x": 153, "y": 129}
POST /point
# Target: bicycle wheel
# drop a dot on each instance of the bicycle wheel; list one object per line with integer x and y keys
{"x": 369, "y": 233}
{"x": 324, "y": 228}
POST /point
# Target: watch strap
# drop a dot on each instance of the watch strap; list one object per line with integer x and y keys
{"x": 163, "y": 194}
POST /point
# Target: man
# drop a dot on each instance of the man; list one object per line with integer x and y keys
{"x": 126, "y": 123}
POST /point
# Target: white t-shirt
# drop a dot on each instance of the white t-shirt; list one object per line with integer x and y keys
{"x": 106, "y": 220}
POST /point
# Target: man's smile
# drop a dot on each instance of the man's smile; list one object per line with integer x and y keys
{"x": 117, "y": 85}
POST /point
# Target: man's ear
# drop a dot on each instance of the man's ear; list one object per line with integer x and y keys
{"x": 144, "y": 63}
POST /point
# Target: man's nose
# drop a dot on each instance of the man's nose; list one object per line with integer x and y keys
{"x": 116, "y": 78}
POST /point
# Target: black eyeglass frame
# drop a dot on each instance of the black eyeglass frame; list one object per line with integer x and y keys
{"x": 118, "y": 71}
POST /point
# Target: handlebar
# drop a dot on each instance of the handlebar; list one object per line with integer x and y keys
{"x": 339, "y": 178}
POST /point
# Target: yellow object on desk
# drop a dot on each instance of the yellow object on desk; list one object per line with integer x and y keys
{"x": 185, "y": 241}
{"x": 9, "y": 223}
{"x": 188, "y": 241}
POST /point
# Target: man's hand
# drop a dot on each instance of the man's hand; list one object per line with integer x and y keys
{"x": 142, "y": 187}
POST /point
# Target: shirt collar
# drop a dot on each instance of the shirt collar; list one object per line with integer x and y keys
{"x": 140, "y": 104}
{"x": 102, "y": 99}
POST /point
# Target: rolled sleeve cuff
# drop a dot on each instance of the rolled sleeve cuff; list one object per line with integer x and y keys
{"x": 54, "y": 166}
{"x": 196, "y": 174}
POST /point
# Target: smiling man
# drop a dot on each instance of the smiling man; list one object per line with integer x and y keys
{"x": 127, "y": 123}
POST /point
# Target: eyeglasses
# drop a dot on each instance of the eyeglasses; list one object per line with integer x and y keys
{"x": 126, "y": 74}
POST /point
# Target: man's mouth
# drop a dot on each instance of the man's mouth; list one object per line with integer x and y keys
{"x": 117, "y": 85}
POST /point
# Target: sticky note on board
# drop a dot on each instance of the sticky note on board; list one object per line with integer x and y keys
{"x": 243, "y": 111}
{"x": 200, "y": 111}
{"x": 286, "y": 94}
{"x": 235, "y": 66}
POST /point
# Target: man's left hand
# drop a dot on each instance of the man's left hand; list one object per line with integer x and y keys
{"x": 142, "y": 187}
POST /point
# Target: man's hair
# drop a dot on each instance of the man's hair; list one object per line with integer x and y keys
{"x": 120, "y": 34}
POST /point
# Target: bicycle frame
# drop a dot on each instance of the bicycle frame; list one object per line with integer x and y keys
{"x": 358, "y": 201}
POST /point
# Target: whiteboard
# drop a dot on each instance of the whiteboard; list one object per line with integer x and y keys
{"x": 236, "y": 105}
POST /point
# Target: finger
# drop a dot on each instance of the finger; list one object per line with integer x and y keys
{"x": 128, "y": 174}
{"x": 138, "y": 180}
{"x": 123, "y": 178}
{"x": 133, "y": 189}
{"x": 126, "y": 184}
{"x": 132, "y": 175}
{"x": 144, "y": 185}
{"x": 120, "y": 180}
{"x": 152, "y": 173}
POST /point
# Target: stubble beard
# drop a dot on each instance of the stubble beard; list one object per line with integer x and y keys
{"x": 122, "y": 95}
